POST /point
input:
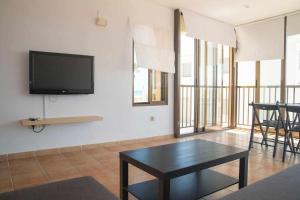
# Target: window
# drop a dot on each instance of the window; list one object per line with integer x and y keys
{"x": 187, "y": 69}
{"x": 187, "y": 66}
{"x": 293, "y": 69}
{"x": 293, "y": 60}
{"x": 246, "y": 92}
{"x": 270, "y": 78}
{"x": 246, "y": 73}
{"x": 149, "y": 86}
{"x": 299, "y": 59}
{"x": 270, "y": 73}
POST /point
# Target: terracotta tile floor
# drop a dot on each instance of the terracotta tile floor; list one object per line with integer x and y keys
{"x": 102, "y": 163}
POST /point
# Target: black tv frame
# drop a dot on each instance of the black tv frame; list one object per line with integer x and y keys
{"x": 62, "y": 91}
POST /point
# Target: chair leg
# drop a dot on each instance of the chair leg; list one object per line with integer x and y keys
{"x": 261, "y": 129}
{"x": 298, "y": 145}
{"x": 252, "y": 132}
{"x": 275, "y": 142}
{"x": 265, "y": 136}
{"x": 284, "y": 145}
{"x": 251, "y": 140}
{"x": 290, "y": 142}
{"x": 292, "y": 146}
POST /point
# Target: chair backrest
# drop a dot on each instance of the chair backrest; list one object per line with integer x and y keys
{"x": 267, "y": 108}
{"x": 292, "y": 115}
{"x": 292, "y": 108}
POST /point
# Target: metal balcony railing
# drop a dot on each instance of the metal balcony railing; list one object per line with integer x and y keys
{"x": 187, "y": 97}
{"x": 268, "y": 94}
{"x": 217, "y": 104}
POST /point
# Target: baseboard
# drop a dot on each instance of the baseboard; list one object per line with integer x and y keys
{"x": 53, "y": 151}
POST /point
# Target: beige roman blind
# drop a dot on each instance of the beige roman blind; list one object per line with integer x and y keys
{"x": 260, "y": 41}
{"x": 153, "y": 47}
{"x": 208, "y": 29}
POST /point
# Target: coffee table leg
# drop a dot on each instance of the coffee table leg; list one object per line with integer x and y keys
{"x": 123, "y": 179}
{"x": 164, "y": 189}
{"x": 243, "y": 174}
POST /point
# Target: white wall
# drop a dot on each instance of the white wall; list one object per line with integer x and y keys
{"x": 67, "y": 26}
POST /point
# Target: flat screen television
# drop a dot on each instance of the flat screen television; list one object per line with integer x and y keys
{"x": 57, "y": 73}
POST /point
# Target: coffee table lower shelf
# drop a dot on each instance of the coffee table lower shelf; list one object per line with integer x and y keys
{"x": 187, "y": 187}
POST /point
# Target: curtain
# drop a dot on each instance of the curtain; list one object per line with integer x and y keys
{"x": 260, "y": 41}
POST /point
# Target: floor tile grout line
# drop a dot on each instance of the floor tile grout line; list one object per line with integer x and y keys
{"x": 45, "y": 171}
{"x": 42, "y": 169}
{"x": 76, "y": 168}
{"x": 10, "y": 175}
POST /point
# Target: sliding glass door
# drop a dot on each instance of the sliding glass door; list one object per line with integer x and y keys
{"x": 204, "y": 85}
{"x": 187, "y": 85}
{"x": 215, "y": 85}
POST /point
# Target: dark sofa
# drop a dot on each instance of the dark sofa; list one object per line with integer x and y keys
{"x": 83, "y": 188}
{"x": 282, "y": 186}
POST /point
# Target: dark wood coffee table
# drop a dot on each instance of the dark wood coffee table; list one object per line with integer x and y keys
{"x": 181, "y": 170}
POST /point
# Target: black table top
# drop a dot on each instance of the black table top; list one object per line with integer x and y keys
{"x": 280, "y": 104}
{"x": 181, "y": 158}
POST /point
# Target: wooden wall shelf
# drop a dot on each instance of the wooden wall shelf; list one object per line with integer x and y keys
{"x": 60, "y": 120}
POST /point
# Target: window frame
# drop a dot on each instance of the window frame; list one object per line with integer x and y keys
{"x": 164, "y": 88}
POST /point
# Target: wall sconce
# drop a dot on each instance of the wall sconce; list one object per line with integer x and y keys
{"x": 100, "y": 20}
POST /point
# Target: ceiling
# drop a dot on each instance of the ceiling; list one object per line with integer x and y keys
{"x": 235, "y": 11}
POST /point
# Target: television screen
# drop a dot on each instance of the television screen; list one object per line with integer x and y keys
{"x": 56, "y": 73}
